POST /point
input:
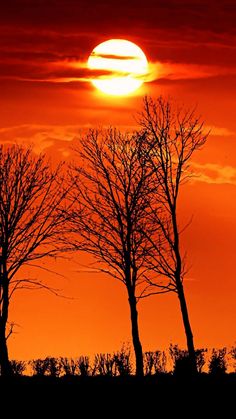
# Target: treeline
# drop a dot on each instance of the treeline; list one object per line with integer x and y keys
{"x": 175, "y": 361}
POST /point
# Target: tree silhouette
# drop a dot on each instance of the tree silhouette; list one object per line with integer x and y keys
{"x": 173, "y": 136}
{"x": 31, "y": 224}
{"x": 112, "y": 194}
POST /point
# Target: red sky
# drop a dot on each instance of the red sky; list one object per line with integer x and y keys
{"x": 43, "y": 43}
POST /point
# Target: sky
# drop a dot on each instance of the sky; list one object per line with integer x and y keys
{"x": 47, "y": 100}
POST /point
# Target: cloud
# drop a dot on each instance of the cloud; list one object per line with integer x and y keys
{"x": 62, "y": 137}
{"x": 219, "y": 131}
{"x": 58, "y": 71}
{"x": 184, "y": 71}
{"x": 53, "y": 72}
{"x": 110, "y": 16}
{"x": 43, "y": 40}
{"x": 114, "y": 56}
{"x": 70, "y": 70}
{"x": 43, "y": 137}
{"x": 214, "y": 173}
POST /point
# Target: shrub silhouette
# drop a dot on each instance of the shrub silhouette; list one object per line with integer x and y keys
{"x": 123, "y": 361}
{"x": 181, "y": 362}
{"x": 53, "y": 366}
{"x": 217, "y": 363}
{"x": 49, "y": 366}
{"x": 155, "y": 362}
{"x": 180, "y": 359}
{"x": 104, "y": 364}
{"x": 233, "y": 355}
{"x": 83, "y": 366}
{"x": 200, "y": 358}
{"x": 39, "y": 366}
{"x": 18, "y": 367}
{"x": 112, "y": 365}
{"x": 68, "y": 366}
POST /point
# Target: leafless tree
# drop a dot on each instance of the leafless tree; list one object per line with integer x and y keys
{"x": 172, "y": 136}
{"x": 112, "y": 193}
{"x": 31, "y": 224}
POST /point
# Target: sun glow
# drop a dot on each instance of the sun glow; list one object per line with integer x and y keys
{"x": 124, "y": 64}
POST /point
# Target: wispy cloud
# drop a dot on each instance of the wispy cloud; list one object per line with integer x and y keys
{"x": 183, "y": 71}
{"x": 219, "y": 131}
{"x": 48, "y": 67}
{"x": 214, "y": 173}
{"x": 43, "y": 137}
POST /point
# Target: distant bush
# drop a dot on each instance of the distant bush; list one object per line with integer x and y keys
{"x": 18, "y": 367}
{"x": 39, "y": 366}
{"x": 112, "y": 365}
{"x": 49, "y": 366}
{"x": 83, "y": 366}
{"x": 104, "y": 364}
{"x": 68, "y": 366}
{"x": 181, "y": 360}
{"x": 53, "y": 366}
{"x": 200, "y": 358}
{"x": 122, "y": 361}
{"x": 232, "y": 352}
{"x": 155, "y": 362}
{"x": 218, "y": 363}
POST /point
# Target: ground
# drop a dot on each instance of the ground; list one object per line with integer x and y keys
{"x": 156, "y": 396}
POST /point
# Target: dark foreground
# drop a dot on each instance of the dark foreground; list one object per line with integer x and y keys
{"x": 153, "y": 396}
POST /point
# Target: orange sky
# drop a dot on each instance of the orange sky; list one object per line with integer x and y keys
{"x": 42, "y": 44}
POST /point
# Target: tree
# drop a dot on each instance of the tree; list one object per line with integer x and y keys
{"x": 112, "y": 193}
{"x": 173, "y": 136}
{"x": 31, "y": 224}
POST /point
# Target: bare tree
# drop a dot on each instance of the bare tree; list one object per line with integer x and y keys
{"x": 172, "y": 136}
{"x": 112, "y": 192}
{"x": 31, "y": 224}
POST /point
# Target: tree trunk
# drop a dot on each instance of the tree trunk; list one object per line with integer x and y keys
{"x": 187, "y": 327}
{"x": 5, "y": 364}
{"x": 182, "y": 299}
{"x": 135, "y": 335}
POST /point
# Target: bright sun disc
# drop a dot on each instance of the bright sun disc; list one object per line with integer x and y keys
{"x": 125, "y": 63}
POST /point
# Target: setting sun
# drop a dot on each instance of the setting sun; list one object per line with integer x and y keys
{"x": 126, "y": 63}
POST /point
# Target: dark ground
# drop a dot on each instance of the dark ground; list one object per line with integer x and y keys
{"x": 161, "y": 396}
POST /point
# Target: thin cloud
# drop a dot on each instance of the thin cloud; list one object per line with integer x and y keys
{"x": 219, "y": 131}
{"x": 115, "y": 56}
{"x": 43, "y": 137}
{"x": 182, "y": 71}
{"x": 59, "y": 72}
{"x": 51, "y": 72}
{"x": 214, "y": 173}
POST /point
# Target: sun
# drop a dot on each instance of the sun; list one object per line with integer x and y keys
{"x": 123, "y": 63}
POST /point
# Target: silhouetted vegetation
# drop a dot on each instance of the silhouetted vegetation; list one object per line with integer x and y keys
{"x": 155, "y": 362}
{"x": 122, "y": 360}
{"x": 111, "y": 194}
{"x": 118, "y": 202}
{"x": 181, "y": 362}
{"x": 18, "y": 367}
{"x": 120, "y": 364}
{"x": 172, "y": 135}
{"x": 84, "y": 367}
{"x": 218, "y": 363}
{"x": 69, "y": 366}
{"x": 233, "y": 355}
{"x": 31, "y": 225}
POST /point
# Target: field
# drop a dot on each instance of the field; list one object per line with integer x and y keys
{"x": 152, "y": 396}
